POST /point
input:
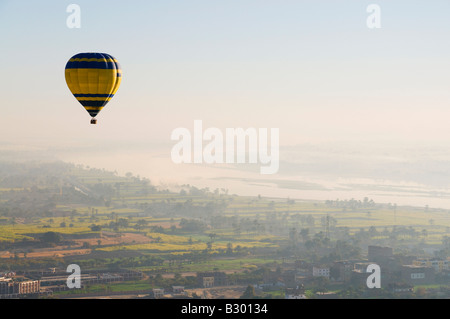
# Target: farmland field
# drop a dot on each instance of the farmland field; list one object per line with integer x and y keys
{"x": 100, "y": 220}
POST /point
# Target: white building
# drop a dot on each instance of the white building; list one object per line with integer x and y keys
{"x": 158, "y": 292}
{"x": 321, "y": 272}
{"x": 295, "y": 296}
{"x": 295, "y": 293}
{"x": 208, "y": 282}
{"x": 439, "y": 265}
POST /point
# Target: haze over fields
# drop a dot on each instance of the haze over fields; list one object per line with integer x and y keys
{"x": 361, "y": 112}
{"x": 404, "y": 174}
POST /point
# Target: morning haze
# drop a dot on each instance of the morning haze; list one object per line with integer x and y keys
{"x": 359, "y": 160}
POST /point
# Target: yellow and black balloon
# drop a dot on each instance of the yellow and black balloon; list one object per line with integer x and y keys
{"x": 93, "y": 78}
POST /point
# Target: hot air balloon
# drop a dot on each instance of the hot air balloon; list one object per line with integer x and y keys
{"x": 93, "y": 78}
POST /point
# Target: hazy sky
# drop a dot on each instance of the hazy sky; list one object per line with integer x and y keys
{"x": 311, "y": 68}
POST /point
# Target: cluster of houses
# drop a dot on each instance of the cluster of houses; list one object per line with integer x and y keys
{"x": 11, "y": 287}
{"x": 397, "y": 272}
{"x": 204, "y": 280}
{"x": 45, "y": 282}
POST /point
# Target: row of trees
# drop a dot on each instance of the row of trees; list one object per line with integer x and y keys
{"x": 351, "y": 204}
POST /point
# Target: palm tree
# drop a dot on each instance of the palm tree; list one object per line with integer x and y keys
{"x": 424, "y": 233}
{"x": 304, "y": 232}
{"x": 212, "y": 236}
{"x": 249, "y": 293}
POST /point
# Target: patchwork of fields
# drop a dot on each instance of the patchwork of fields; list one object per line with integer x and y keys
{"x": 98, "y": 219}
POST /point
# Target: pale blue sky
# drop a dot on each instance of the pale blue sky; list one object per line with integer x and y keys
{"x": 311, "y": 68}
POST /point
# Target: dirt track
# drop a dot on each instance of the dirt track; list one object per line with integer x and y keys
{"x": 76, "y": 249}
{"x": 114, "y": 239}
{"x": 47, "y": 253}
{"x": 229, "y": 292}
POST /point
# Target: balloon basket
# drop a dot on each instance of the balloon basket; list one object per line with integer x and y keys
{"x": 94, "y": 121}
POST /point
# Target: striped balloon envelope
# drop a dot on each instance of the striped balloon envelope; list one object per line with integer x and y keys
{"x": 93, "y": 78}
